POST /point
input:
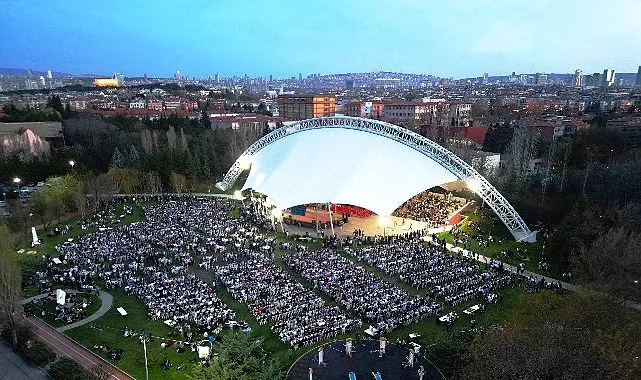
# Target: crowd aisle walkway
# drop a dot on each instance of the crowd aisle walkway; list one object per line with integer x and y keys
{"x": 527, "y": 273}
{"x": 106, "y": 301}
{"x": 14, "y": 367}
{"x": 64, "y": 346}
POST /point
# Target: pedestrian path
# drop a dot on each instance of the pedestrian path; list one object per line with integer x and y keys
{"x": 106, "y": 301}
{"x": 65, "y": 346}
{"x": 13, "y": 366}
{"x": 529, "y": 274}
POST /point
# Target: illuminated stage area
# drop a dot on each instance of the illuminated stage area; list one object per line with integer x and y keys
{"x": 364, "y": 362}
{"x": 361, "y": 162}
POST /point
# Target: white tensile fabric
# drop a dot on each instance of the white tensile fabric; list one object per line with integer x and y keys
{"x": 343, "y": 166}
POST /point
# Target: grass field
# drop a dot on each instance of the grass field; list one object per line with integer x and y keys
{"x": 490, "y": 225}
{"x": 46, "y": 310}
{"x": 108, "y": 330}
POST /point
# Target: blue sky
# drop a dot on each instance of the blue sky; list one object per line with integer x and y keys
{"x": 456, "y": 38}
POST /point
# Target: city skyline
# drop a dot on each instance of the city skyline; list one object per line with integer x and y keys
{"x": 458, "y": 39}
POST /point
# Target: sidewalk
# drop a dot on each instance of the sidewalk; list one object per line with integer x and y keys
{"x": 13, "y": 367}
{"x": 65, "y": 346}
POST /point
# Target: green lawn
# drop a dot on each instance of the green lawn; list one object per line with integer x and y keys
{"x": 47, "y": 309}
{"x": 503, "y": 240}
{"x": 108, "y": 331}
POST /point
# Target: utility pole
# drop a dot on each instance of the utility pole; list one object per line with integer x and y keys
{"x": 144, "y": 346}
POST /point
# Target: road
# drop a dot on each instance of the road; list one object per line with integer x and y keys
{"x": 64, "y": 346}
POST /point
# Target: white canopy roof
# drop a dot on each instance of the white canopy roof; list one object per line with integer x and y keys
{"x": 343, "y": 166}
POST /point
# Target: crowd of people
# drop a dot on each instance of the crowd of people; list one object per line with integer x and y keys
{"x": 157, "y": 260}
{"x": 296, "y": 314}
{"x": 432, "y": 208}
{"x": 356, "y": 289}
{"x": 150, "y": 259}
{"x": 452, "y": 280}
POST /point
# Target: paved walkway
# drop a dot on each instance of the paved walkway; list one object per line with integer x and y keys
{"x": 106, "y": 301}
{"x": 65, "y": 346}
{"x": 13, "y": 367}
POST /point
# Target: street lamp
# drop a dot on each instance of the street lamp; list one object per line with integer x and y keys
{"x": 383, "y": 221}
{"x": 17, "y": 182}
{"x": 239, "y": 195}
{"x": 72, "y": 163}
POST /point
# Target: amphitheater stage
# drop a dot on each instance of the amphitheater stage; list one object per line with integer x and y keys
{"x": 364, "y": 361}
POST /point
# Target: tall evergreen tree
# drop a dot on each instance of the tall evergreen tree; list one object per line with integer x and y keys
{"x": 133, "y": 158}
{"x": 117, "y": 159}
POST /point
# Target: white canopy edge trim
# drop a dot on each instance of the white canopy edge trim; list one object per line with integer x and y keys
{"x": 427, "y": 147}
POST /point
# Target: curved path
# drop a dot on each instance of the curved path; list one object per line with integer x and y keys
{"x": 106, "y": 301}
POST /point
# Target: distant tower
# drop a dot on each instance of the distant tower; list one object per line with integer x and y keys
{"x": 349, "y": 84}
{"x": 217, "y": 77}
{"x": 637, "y": 83}
{"x": 29, "y": 73}
{"x": 485, "y": 78}
{"x": 541, "y": 79}
{"x": 41, "y": 80}
{"x": 578, "y": 78}
{"x": 300, "y": 76}
{"x": 120, "y": 78}
{"x": 49, "y": 74}
{"x": 177, "y": 74}
{"x": 608, "y": 78}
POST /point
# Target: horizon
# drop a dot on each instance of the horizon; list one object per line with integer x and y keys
{"x": 462, "y": 39}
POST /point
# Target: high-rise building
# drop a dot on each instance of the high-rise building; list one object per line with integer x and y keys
{"x": 578, "y": 78}
{"x": 608, "y": 78}
{"x": 485, "y": 78}
{"x": 300, "y": 76}
{"x": 29, "y": 73}
{"x": 306, "y": 106}
{"x": 119, "y": 78}
{"x": 349, "y": 84}
{"x": 541, "y": 79}
{"x": 637, "y": 83}
{"x": 593, "y": 80}
{"x": 49, "y": 74}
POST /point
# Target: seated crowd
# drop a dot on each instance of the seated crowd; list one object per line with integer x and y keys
{"x": 296, "y": 314}
{"x": 433, "y": 208}
{"x": 355, "y": 288}
{"x": 427, "y": 265}
{"x": 150, "y": 259}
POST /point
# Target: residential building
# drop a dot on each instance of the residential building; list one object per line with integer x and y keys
{"x": 629, "y": 127}
{"x": 306, "y": 106}
{"x": 608, "y": 78}
{"x": 138, "y": 103}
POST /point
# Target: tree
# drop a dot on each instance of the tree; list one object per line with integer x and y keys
{"x": 178, "y": 182}
{"x": 241, "y": 357}
{"x": 117, "y": 159}
{"x": 559, "y": 337}
{"x": 10, "y": 284}
{"x": 128, "y": 180}
{"x": 55, "y": 103}
{"x": 133, "y": 158}
{"x": 612, "y": 263}
{"x": 100, "y": 188}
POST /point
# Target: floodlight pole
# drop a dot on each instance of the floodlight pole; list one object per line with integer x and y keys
{"x": 144, "y": 346}
{"x": 331, "y": 220}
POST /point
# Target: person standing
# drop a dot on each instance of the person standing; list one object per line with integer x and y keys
{"x": 348, "y": 347}
{"x": 410, "y": 358}
{"x": 320, "y": 356}
{"x": 421, "y": 373}
{"x": 381, "y": 347}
